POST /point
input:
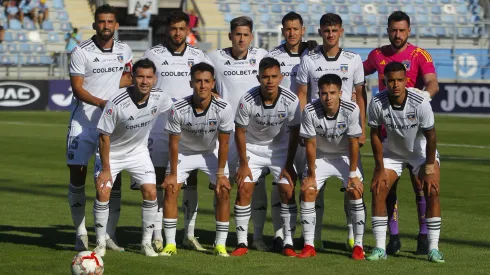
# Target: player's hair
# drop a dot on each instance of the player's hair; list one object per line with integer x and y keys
{"x": 242, "y": 21}
{"x": 331, "y": 19}
{"x": 144, "y": 64}
{"x": 201, "y": 67}
{"x": 291, "y": 16}
{"x": 330, "y": 79}
{"x": 394, "y": 67}
{"x": 398, "y": 16}
{"x": 104, "y": 9}
{"x": 177, "y": 16}
{"x": 267, "y": 63}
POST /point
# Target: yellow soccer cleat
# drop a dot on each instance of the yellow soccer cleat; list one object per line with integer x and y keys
{"x": 220, "y": 250}
{"x": 169, "y": 250}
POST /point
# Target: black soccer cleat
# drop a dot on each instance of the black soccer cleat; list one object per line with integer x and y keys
{"x": 394, "y": 245}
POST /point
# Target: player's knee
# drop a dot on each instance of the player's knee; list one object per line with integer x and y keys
{"x": 224, "y": 195}
{"x": 309, "y": 195}
{"x": 433, "y": 196}
{"x": 78, "y": 174}
{"x": 353, "y": 194}
{"x": 104, "y": 196}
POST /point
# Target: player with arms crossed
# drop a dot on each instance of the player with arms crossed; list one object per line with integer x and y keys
{"x": 420, "y": 73}
{"x": 261, "y": 140}
{"x": 195, "y": 123}
{"x": 124, "y": 128}
{"x": 330, "y": 127}
{"x": 236, "y": 73}
{"x": 96, "y": 73}
{"x": 173, "y": 61}
{"x": 410, "y": 141}
{"x": 330, "y": 58}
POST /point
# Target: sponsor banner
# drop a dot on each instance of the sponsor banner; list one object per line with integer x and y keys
{"x": 462, "y": 98}
{"x": 137, "y": 5}
{"x": 60, "y": 95}
{"x": 23, "y": 95}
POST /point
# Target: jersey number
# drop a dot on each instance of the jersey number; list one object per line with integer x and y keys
{"x": 74, "y": 143}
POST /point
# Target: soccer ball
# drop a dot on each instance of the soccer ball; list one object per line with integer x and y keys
{"x": 87, "y": 263}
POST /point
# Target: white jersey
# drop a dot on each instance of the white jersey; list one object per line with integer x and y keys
{"x": 199, "y": 132}
{"x": 128, "y": 123}
{"x": 266, "y": 125}
{"x": 101, "y": 70}
{"x": 235, "y": 77}
{"x": 315, "y": 64}
{"x": 289, "y": 66}
{"x": 404, "y": 124}
{"x": 332, "y": 133}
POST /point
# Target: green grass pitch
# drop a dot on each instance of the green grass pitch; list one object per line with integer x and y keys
{"x": 36, "y": 234}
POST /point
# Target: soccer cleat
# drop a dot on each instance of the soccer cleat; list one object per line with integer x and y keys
{"x": 377, "y": 254}
{"x": 288, "y": 251}
{"x": 157, "y": 245}
{"x": 100, "y": 249}
{"x": 81, "y": 243}
{"x": 169, "y": 250}
{"x": 349, "y": 244}
{"x": 436, "y": 256}
{"x": 422, "y": 244}
{"x": 220, "y": 250}
{"x": 394, "y": 245}
{"x": 308, "y": 251}
{"x": 193, "y": 243}
{"x": 277, "y": 245}
{"x": 260, "y": 245}
{"x": 358, "y": 253}
{"x": 319, "y": 245}
{"x": 112, "y": 245}
{"x": 148, "y": 251}
{"x": 240, "y": 250}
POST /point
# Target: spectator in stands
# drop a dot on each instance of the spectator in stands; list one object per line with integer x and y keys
{"x": 144, "y": 17}
{"x": 12, "y": 11}
{"x": 43, "y": 13}
{"x": 28, "y": 8}
{"x": 2, "y": 33}
{"x": 72, "y": 40}
{"x": 194, "y": 23}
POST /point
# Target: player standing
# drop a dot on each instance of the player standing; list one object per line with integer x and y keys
{"x": 261, "y": 140}
{"x": 195, "y": 123}
{"x": 96, "y": 73}
{"x": 236, "y": 73}
{"x": 410, "y": 141}
{"x": 330, "y": 58}
{"x": 124, "y": 128}
{"x": 420, "y": 73}
{"x": 330, "y": 127}
{"x": 174, "y": 61}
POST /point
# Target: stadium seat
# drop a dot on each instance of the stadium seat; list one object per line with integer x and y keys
{"x": 28, "y": 24}
{"x": 21, "y": 37}
{"x": 301, "y": 1}
{"x": 265, "y": 18}
{"x": 11, "y": 48}
{"x": 45, "y": 60}
{"x": 1, "y": 48}
{"x": 436, "y": 20}
{"x": 463, "y": 20}
{"x": 355, "y": 9}
{"x": 302, "y": 8}
{"x": 371, "y": 19}
{"x": 245, "y": 8}
{"x": 366, "y": 1}
{"x": 228, "y": 17}
{"x": 351, "y": 2}
{"x": 5, "y": 60}
{"x": 316, "y": 9}
{"x": 63, "y": 16}
{"x": 409, "y": 9}
{"x": 287, "y": 1}
{"x": 15, "y": 24}
{"x": 440, "y": 32}
{"x": 343, "y": 10}
{"x": 421, "y": 10}
{"x": 25, "y": 47}
{"x": 315, "y": 18}
{"x": 393, "y": 2}
{"x": 276, "y": 8}
{"x": 58, "y": 4}
{"x": 427, "y": 32}
{"x": 244, "y": 1}
{"x": 420, "y": 2}
{"x": 47, "y": 25}
{"x": 461, "y": 9}
{"x": 330, "y": 9}
{"x": 466, "y": 32}
{"x": 290, "y": 8}
{"x": 383, "y": 9}
{"x": 263, "y": 8}
{"x": 374, "y": 30}
{"x": 357, "y": 19}
{"x": 311, "y": 29}
{"x": 38, "y": 48}
{"x": 407, "y": 2}
{"x": 340, "y": 2}
{"x": 431, "y": 2}
{"x": 421, "y": 20}
{"x": 361, "y": 30}
{"x": 436, "y": 10}
{"x": 66, "y": 27}
{"x": 9, "y": 37}
{"x": 448, "y": 19}
{"x": 446, "y": 1}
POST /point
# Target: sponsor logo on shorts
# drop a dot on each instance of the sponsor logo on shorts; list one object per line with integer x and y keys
{"x": 108, "y": 112}
{"x": 149, "y": 172}
{"x": 71, "y": 155}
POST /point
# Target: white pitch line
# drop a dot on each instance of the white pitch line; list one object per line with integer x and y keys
{"x": 451, "y": 157}
{"x": 456, "y": 145}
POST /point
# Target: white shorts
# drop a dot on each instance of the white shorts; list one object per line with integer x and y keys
{"x": 260, "y": 157}
{"x": 139, "y": 166}
{"x": 207, "y": 163}
{"x": 396, "y": 163}
{"x": 337, "y": 167}
{"x": 300, "y": 159}
{"x": 81, "y": 144}
{"x": 232, "y": 155}
{"x": 158, "y": 147}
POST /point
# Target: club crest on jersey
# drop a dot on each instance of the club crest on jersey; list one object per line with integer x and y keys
{"x": 108, "y": 112}
{"x": 341, "y": 125}
{"x": 241, "y": 105}
{"x": 153, "y": 110}
{"x": 190, "y": 62}
{"x": 281, "y": 114}
{"x": 406, "y": 63}
{"x": 253, "y": 61}
{"x": 212, "y": 122}
{"x": 120, "y": 58}
{"x": 411, "y": 116}
{"x": 344, "y": 68}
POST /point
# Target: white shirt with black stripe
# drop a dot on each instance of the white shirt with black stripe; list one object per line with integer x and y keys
{"x": 404, "y": 124}
{"x": 128, "y": 123}
{"x": 332, "y": 133}
{"x": 267, "y": 124}
{"x": 199, "y": 131}
{"x": 101, "y": 70}
{"x": 289, "y": 65}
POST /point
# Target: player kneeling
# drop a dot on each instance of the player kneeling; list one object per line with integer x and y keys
{"x": 124, "y": 128}
{"x": 411, "y": 141}
{"x": 330, "y": 127}
{"x": 195, "y": 123}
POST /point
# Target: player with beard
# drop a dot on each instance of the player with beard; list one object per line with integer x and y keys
{"x": 98, "y": 68}
{"x": 173, "y": 60}
{"x": 421, "y": 74}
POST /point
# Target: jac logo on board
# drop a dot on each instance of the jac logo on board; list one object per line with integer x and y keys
{"x": 16, "y": 94}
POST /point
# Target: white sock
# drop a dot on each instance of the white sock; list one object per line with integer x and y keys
{"x": 114, "y": 213}
{"x": 433, "y": 232}
{"x": 319, "y": 209}
{"x": 242, "y": 217}
{"x": 288, "y": 215}
{"x": 157, "y": 233}
{"x": 149, "y": 210}
{"x": 276, "y": 212}
{"x": 101, "y": 216}
{"x": 170, "y": 228}
{"x": 308, "y": 220}
{"x": 358, "y": 219}
{"x": 76, "y": 200}
{"x": 380, "y": 225}
{"x": 189, "y": 207}
{"x": 222, "y": 229}
{"x": 259, "y": 208}
{"x": 348, "y": 217}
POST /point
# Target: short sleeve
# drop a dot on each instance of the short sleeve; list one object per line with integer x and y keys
{"x": 359, "y": 72}
{"x": 173, "y": 123}
{"x": 370, "y": 63}
{"x": 425, "y": 116}
{"x": 354, "y": 128}
{"x": 307, "y": 129}
{"x": 242, "y": 116}
{"x": 294, "y": 114}
{"x": 166, "y": 103}
{"x": 374, "y": 120}
{"x": 303, "y": 71}
{"x": 108, "y": 119}
{"x": 77, "y": 62}
{"x": 226, "y": 121}
{"x": 425, "y": 63}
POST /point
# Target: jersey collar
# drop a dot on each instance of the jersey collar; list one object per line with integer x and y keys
{"x": 179, "y": 54}
{"x": 275, "y": 101}
{"x": 336, "y": 114}
{"x": 139, "y": 106}
{"x": 102, "y": 49}
{"x": 290, "y": 53}
{"x": 232, "y": 56}
{"x": 205, "y": 110}
{"x": 331, "y": 58}
{"x": 401, "y": 107}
